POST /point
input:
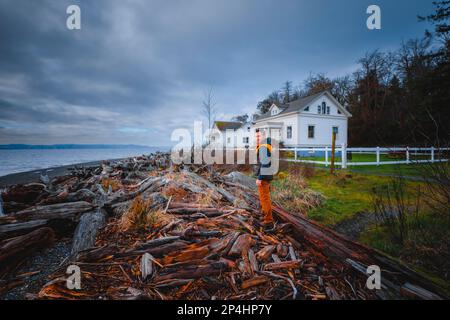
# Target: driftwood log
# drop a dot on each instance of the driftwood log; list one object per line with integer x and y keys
{"x": 395, "y": 275}
{"x": 15, "y": 250}
{"x": 62, "y": 211}
{"x": 10, "y": 230}
{"x": 227, "y": 195}
{"x": 86, "y": 231}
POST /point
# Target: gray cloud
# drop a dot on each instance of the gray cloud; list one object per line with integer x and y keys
{"x": 138, "y": 69}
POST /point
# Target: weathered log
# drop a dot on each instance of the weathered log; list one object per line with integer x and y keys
{"x": 97, "y": 254}
{"x": 283, "y": 265}
{"x": 68, "y": 211}
{"x": 282, "y": 250}
{"x": 171, "y": 283}
{"x": 241, "y": 245}
{"x": 13, "y": 251}
{"x": 411, "y": 291}
{"x": 25, "y": 193}
{"x": 265, "y": 253}
{"x": 175, "y": 205}
{"x": 156, "y": 242}
{"x": 191, "y": 252}
{"x": 292, "y": 253}
{"x": 239, "y": 178}
{"x": 86, "y": 231}
{"x": 252, "y": 260}
{"x": 146, "y": 266}
{"x": 64, "y": 196}
{"x": 341, "y": 250}
{"x": 157, "y": 251}
{"x": 192, "y": 210}
{"x": 197, "y": 271}
{"x": 253, "y": 282}
{"x": 227, "y": 195}
{"x": 15, "y": 229}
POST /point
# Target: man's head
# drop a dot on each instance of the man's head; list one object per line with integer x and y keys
{"x": 260, "y": 135}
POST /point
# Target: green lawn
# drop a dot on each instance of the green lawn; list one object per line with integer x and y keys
{"x": 386, "y": 169}
{"x": 361, "y": 157}
{"x": 346, "y": 194}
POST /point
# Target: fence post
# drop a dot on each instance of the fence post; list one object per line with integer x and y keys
{"x": 378, "y": 156}
{"x": 295, "y": 153}
{"x": 326, "y": 156}
{"x": 344, "y": 156}
{"x": 432, "y": 154}
{"x": 407, "y": 155}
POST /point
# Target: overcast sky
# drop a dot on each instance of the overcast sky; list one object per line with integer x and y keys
{"x": 137, "y": 70}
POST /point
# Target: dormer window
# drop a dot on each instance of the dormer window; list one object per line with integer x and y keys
{"x": 324, "y": 108}
{"x": 318, "y": 109}
{"x": 274, "y": 110}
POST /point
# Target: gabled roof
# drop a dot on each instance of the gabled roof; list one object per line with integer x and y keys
{"x": 299, "y": 104}
{"x": 225, "y": 125}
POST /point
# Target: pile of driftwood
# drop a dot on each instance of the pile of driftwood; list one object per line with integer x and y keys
{"x": 145, "y": 229}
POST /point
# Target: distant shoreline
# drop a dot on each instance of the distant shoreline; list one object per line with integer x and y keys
{"x": 73, "y": 146}
{"x": 52, "y": 172}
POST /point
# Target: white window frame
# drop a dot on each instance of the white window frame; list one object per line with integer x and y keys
{"x": 289, "y": 136}
{"x": 313, "y": 131}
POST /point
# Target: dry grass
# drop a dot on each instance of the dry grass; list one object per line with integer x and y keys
{"x": 115, "y": 185}
{"x": 290, "y": 190}
{"x": 177, "y": 193}
{"x": 206, "y": 198}
{"x": 140, "y": 216}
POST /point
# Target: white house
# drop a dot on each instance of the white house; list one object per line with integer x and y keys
{"x": 306, "y": 122}
{"x": 233, "y": 134}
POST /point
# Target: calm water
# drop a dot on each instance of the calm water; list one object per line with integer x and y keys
{"x": 13, "y": 161}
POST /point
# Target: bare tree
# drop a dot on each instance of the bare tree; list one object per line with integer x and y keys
{"x": 287, "y": 91}
{"x": 209, "y": 108}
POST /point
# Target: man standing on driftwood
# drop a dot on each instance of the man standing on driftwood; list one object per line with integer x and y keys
{"x": 264, "y": 176}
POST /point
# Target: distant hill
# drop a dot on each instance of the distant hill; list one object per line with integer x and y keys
{"x": 70, "y": 146}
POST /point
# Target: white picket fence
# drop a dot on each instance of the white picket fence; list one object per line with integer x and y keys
{"x": 428, "y": 155}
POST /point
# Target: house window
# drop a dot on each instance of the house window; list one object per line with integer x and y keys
{"x": 324, "y": 107}
{"x": 248, "y": 129}
{"x": 307, "y": 108}
{"x": 289, "y": 132}
{"x": 318, "y": 109}
{"x": 228, "y": 140}
{"x": 311, "y": 132}
{"x": 328, "y": 110}
{"x": 245, "y": 140}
